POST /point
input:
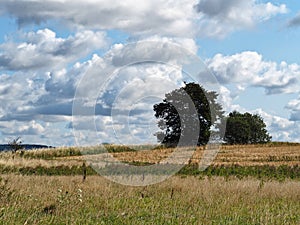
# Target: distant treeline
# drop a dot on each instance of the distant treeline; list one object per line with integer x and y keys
{"x": 8, "y": 147}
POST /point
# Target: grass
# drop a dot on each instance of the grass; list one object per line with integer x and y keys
{"x": 259, "y": 172}
{"x": 67, "y": 200}
{"x": 253, "y": 184}
{"x": 190, "y": 200}
{"x": 280, "y": 173}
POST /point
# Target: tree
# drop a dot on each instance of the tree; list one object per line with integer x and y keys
{"x": 186, "y": 115}
{"x": 15, "y": 144}
{"x": 245, "y": 129}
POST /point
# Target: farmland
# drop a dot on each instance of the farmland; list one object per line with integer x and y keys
{"x": 254, "y": 184}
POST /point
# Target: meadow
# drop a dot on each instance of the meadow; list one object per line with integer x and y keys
{"x": 254, "y": 184}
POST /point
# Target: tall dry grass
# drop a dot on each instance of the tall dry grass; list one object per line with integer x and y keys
{"x": 67, "y": 200}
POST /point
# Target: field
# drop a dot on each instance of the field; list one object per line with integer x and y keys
{"x": 255, "y": 184}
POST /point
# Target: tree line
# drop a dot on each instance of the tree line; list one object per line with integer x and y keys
{"x": 191, "y": 115}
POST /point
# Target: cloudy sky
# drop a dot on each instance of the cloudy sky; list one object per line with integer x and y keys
{"x": 87, "y": 72}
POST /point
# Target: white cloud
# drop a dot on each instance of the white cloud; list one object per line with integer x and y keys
{"x": 249, "y": 69}
{"x": 220, "y": 17}
{"x": 294, "y": 107}
{"x": 48, "y": 96}
{"x": 226, "y": 99}
{"x": 30, "y": 99}
{"x": 18, "y": 92}
{"x": 36, "y": 101}
{"x": 280, "y": 128}
{"x": 167, "y": 17}
{"x": 17, "y": 128}
{"x": 128, "y": 94}
{"x": 153, "y": 17}
{"x": 157, "y": 49}
{"x": 43, "y": 50}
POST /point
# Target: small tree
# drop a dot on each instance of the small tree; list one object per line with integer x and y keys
{"x": 182, "y": 110}
{"x": 15, "y": 144}
{"x": 245, "y": 129}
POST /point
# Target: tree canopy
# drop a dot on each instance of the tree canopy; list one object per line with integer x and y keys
{"x": 245, "y": 129}
{"x": 187, "y": 114}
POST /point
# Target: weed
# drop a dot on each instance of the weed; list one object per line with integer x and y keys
{"x": 49, "y": 209}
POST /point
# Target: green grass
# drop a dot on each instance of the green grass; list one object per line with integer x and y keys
{"x": 260, "y": 172}
{"x": 270, "y": 144}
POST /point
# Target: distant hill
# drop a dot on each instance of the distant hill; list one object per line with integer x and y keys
{"x": 24, "y": 146}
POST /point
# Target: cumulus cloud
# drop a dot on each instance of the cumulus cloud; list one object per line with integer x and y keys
{"x": 48, "y": 97}
{"x": 294, "y": 107}
{"x": 114, "y": 88}
{"x": 42, "y": 49}
{"x": 31, "y": 128}
{"x": 280, "y": 128}
{"x": 37, "y": 99}
{"x": 42, "y": 88}
{"x": 126, "y": 90}
{"x": 249, "y": 69}
{"x": 18, "y": 91}
{"x": 168, "y": 18}
{"x": 226, "y": 99}
{"x": 167, "y": 50}
{"x": 142, "y": 62}
{"x": 294, "y": 104}
{"x": 220, "y": 17}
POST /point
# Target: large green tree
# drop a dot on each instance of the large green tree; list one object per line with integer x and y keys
{"x": 245, "y": 129}
{"x": 186, "y": 116}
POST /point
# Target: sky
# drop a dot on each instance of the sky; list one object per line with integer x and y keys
{"x": 89, "y": 72}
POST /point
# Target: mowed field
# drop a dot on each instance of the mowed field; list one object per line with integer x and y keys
{"x": 254, "y": 184}
{"x": 277, "y": 154}
{"x": 249, "y": 155}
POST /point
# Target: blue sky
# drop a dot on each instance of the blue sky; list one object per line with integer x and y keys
{"x": 53, "y": 52}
